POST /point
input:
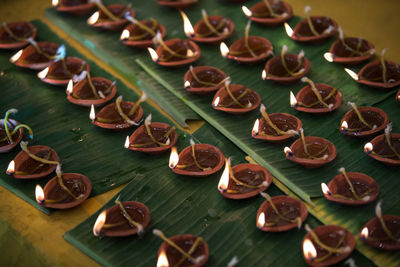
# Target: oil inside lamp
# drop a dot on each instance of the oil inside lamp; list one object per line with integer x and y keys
{"x": 54, "y": 2}
{"x": 309, "y": 251}
{"x": 293, "y": 100}
{"x": 352, "y": 74}
{"x": 100, "y": 221}
{"x": 92, "y": 114}
{"x": 187, "y": 26}
{"x": 125, "y": 35}
{"x": 127, "y": 143}
{"x": 39, "y": 194}
{"x": 247, "y": 11}
{"x": 364, "y": 233}
{"x": 224, "y": 49}
{"x": 153, "y": 54}
{"x": 289, "y": 30}
{"x": 256, "y": 127}
{"x": 216, "y": 102}
{"x": 94, "y": 18}
{"x": 43, "y": 73}
{"x": 16, "y": 56}
{"x": 173, "y": 158}
{"x": 70, "y": 87}
{"x": 368, "y": 147}
{"x": 325, "y": 189}
{"x": 162, "y": 260}
{"x": 261, "y": 220}
{"x": 329, "y": 56}
{"x": 11, "y": 168}
{"x": 224, "y": 181}
{"x": 344, "y": 126}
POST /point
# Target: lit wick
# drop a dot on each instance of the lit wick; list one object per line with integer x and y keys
{"x": 187, "y": 26}
{"x": 247, "y": 12}
{"x": 162, "y": 260}
{"x": 100, "y": 221}
{"x": 11, "y": 168}
{"x": 289, "y": 30}
{"x": 92, "y": 114}
{"x": 39, "y": 194}
{"x": 352, "y": 74}
{"x": 224, "y": 49}
{"x": 173, "y": 158}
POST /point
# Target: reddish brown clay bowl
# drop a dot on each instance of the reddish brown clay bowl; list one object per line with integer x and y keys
{"x": 362, "y": 183}
{"x": 21, "y": 29}
{"x": 31, "y": 59}
{"x": 53, "y": 191}
{"x": 343, "y": 55}
{"x": 278, "y": 7}
{"x": 5, "y": 146}
{"x": 373, "y": 116}
{"x": 201, "y": 28}
{"x": 314, "y": 146}
{"x": 24, "y": 163}
{"x": 147, "y": 40}
{"x": 117, "y": 10}
{"x": 158, "y": 130}
{"x": 377, "y": 237}
{"x": 57, "y": 75}
{"x": 263, "y": 52}
{"x": 307, "y": 96}
{"x": 110, "y": 112}
{"x": 250, "y": 174}
{"x": 302, "y": 32}
{"x": 82, "y": 94}
{"x": 277, "y": 73}
{"x": 380, "y": 147}
{"x": 283, "y": 204}
{"x": 137, "y": 211}
{"x": 371, "y": 75}
{"x": 206, "y": 74}
{"x": 207, "y": 156}
{"x": 80, "y": 7}
{"x": 330, "y": 236}
{"x": 236, "y": 90}
{"x": 177, "y": 44}
{"x": 283, "y": 121}
{"x": 185, "y": 242}
{"x": 177, "y": 4}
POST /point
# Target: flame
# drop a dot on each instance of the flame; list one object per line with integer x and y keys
{"x": 187, "y": 84}
{"x": 100, "y": 221}
{"x": 162, "y": 260}
{"x": 11, "y": 167}
{"x": 125, "y": 35}
{"x": 344, "y": 126}
{"x": 70, "y": 87}
{"x": 16, "y": 56}
{"x": 173, "y": 158}
{"x": 364, "y": 233}
{"x": 39, "y": 194}
{"x": 54, "y": 2}
{"x": 287, "y": 150}
{"x": 43, "y": 73}
{"x": 92, "y": 114}
{"x": 256, "y": 127}
{"x": 127, "y": 142}
{"x": 368, "y": 147}
{"x": 153, "y": 54}
{"x": 247, "y": 11}
{"x": 187, "y": 26}
{"x": 293, "y": 100}
{"x": 325, "y": 189}
{"x": 264, "y": 75}
{"x": 261, "y": 220}
{"x": 224, "y": 180}
{"x": 224, "y": 49}
{"x": 329, "y": 57}
{"x": 189, "y": 53}
{"x": 289, "y": 30}
{"x": 216, "y": 102}
{"x": 352, "y": 74}
{"x": 93, "y": 18}
{"x": 309, "y": 250}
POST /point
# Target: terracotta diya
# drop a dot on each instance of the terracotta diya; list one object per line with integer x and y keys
{"x": 316, "y": 98}
{"x": 363, "y": 121}
{"x": 140, "y": 34}
{"x": 249, "y": 50}
{"x": 197, "y": 160}
{"x": 123, "y": 219}
{"x": 204, "y": 79}
{"x": 178, "y": 4}
{"x": 76, "y": 7}
{"x": 270, "y": 12}
{"x": 327, "y": 245}
{"x": 119, "y": 115}
{"x": 353, "y": 188}
{"x": 280, "y": 213}
{"x": 65, "y": 191}
{"x": 275, "y": 127}
{"x": 36, "y": 56}
{"x": 312, "y": 29}
{"x": 11, "y": 132}
{"x": 16, "y": 35}
{"x": 111, "y": 17}
{"x": 311, "y": 151}
{"x": 236, "y": 99}
{"x": 33, "y": 162}
{"x": 88, "y": 91}
{"x": 185, "y": 250}
{"x": 286, "y": 68}
{"x": 152, "y": 137}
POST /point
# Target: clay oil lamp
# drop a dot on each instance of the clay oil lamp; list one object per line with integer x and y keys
{"x": 353, "y": 188}
{"x": 89, "y": 90}
{"x": 312, "y": 29}
{"x": 65, "y": 191}
{"x": 203, "y": 80}
{"x": 275, "y": 127}
{"x": 327, "y": 245}
{"x": 210, "y": 30}
{"x": 152, "y": 137}
{"x": 311, "y": 151}
{"x": 382, "y": 232}
{"x": 123, "y": 219}
{"x": 181, "y": 250}
{"x": 280, "y": 213}
{"x": 350, "y": 50}
{"x": 33, "y": 162}
{"x": 249, "y": 49}
{"x": 381, "y": 74}
{"x": 11, "y": 132}
{"x": 269, "y": 13}
{"x": 243, "y": 181}
{"x": 178, "y": 4}
{"x": 317, "y": 98}
{"x": 119, "y": 115}
{"x": 111, "y": 17}
{"x": 16, "y": 34}
{"x": 75, "y": 7}
{"x": 174, "y": 52}
{"x": 286, "y": 68}
{"x": 235, "y": 99}
{"x": 140, "y": 34}
{"x": 36, "y": 56}
{"x": 385, "y": 147}
{"x": 363, "y": 121}
{"x": 197, "y": 160}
